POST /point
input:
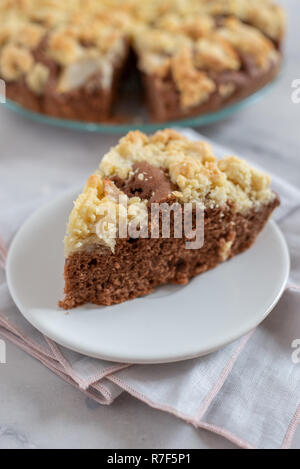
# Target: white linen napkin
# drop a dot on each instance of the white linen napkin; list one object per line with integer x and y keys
{"x": 248, "y": 392}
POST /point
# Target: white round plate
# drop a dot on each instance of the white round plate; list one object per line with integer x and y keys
{"x": 174, "y": 323}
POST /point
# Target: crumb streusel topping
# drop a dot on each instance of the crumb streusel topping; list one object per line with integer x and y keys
{"x": 87, "y": 38}
{"x": 199, "y": 176}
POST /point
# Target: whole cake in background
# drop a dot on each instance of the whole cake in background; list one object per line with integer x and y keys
{"x": 163, "y": 170}
{"x": 67, "y": 59}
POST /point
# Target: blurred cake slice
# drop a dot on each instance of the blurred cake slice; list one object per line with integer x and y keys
{"x": 192, "y": 67}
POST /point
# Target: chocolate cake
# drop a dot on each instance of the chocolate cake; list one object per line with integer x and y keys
{"x": 108, "y": 262}
{"x": 66, "y": 58}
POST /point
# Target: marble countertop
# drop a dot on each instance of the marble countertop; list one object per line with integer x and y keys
{"x": 38, "y": 409}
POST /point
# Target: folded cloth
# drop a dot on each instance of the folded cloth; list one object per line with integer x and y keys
{"x": 248, "y": 392}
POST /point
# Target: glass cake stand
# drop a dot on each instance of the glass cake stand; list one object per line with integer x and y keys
{"x": 140, "y": 123}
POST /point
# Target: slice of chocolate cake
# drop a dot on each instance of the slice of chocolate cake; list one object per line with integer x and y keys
{"x": 118, "y": 247}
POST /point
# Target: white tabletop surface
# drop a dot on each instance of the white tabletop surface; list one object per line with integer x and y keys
{"x": 37, "y": 409}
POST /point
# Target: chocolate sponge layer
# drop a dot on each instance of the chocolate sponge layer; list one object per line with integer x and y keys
{"x": 139, "y": 265}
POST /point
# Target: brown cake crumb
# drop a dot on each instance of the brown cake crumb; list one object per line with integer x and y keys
{"x": 138, "y": 266}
